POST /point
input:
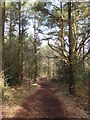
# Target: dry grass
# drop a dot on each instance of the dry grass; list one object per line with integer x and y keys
{"x": 13, "y": 97}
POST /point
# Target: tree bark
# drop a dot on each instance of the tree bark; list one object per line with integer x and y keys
{"x": 1, "y": 80}
{"x": 10, "y": 34}
{"x": 0, "y": 38}
{"x": 76, "y": 14}
{"x": 20, "y": 47}
{"x": 3, "y": 21}
{"x": 48, "y": 71}
{"x": 62, "y": 29}
{"x": 3, "y": 26}
{"x": 35, "y": 50}
{"x": 71, "y": 68}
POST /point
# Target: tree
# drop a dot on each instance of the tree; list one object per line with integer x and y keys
{"x": 35, "y": 49}
{"x": 20, "y": 45}
{"x": 12, "y": 50}
{"x": 0, "y": 39}
{"x": 71, "y": 56}
{"x": 3, "y": 26}
{"x": 47, "y": 61}
{"x": 63, "y": 34}
{"x": 3, "y": 20}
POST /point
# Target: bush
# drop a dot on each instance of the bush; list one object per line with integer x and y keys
{"x": 62, "y": 72}
{"x": 11, "y": 75}
{"x": 82, "y": 75}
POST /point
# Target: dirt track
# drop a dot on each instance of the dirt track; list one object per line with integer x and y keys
{"x": 42, "y": 103}
{"x": 46, "y": 100}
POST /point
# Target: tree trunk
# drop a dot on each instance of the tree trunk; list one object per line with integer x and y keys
{"x": 71, "y": 68}
{"x": 3, "y": 26}
{"x": 76, "y": 14}
{"x": 35, "y": 50}
{"x": 0, "y": 39}
{"x": 62, "y": 32}
{"x": 20, "y": 47}
{"x": 1, "y": 80}
{"x": 10, "y": 34}
{"x": 83, "y": 51}
{"x": 62, "y": 29}
{"x": 3, "y": 21}
{"x": 48, "y": 71}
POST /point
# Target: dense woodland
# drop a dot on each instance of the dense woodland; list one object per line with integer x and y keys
{"x": 49, "y": 39}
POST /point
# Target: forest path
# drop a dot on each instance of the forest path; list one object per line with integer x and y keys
{"x": 42, "y": 103}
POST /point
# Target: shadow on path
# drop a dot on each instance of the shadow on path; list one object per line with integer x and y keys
{"x": 41, "y": 103}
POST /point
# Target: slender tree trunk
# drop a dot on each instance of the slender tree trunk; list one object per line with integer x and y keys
{"x": 62, "y": 32}
{"x": 10, "y": 35}
{"x": 53, "y": 69}
{"x": 3, "y": 26}
{"x": 62, "y": 28}
{"x": 1, "y": 80}
{"x": 83, "y": 63}
{"x": 71, "y": 69}
{"x": 83, "y": 55}
{"x": 3, "y": 21}
{"x": 75, "y": 28}
{"x": 83, "y": 51}
{"x": 35, "y": 49}
{"x": 20, "y": 47}
{"x": 48, "y": 71}
{"x": 0, "y": 38}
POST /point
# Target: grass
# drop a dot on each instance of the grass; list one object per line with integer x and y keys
{"x": 15, "y": 94}
{"x": 13, "y": 97}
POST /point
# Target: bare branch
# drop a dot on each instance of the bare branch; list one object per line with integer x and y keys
{"x": 82, "y": 42}
{"x": 83, "y": 58}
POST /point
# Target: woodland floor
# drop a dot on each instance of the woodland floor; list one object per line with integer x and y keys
{"x": 45, "y": 101}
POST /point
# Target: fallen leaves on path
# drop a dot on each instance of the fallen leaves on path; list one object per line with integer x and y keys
{"x": 46, "y": 101}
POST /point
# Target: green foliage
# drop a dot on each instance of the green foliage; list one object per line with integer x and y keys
{"x": 38, "y": 6}
{"x": 12, "y": 76}
{"x": 46, "y": 17}
{"x": 62, "y": 72}
{"x": 10, "y": 62}
{"x": 11, "y": 46}
{"x": 47, "y": 61}
{"x": 82, "y": 75}
{"x": 29, "y": 57}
